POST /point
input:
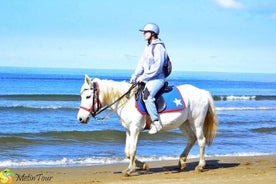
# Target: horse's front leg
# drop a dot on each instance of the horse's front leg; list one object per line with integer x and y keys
{"x": 130, "y": 150}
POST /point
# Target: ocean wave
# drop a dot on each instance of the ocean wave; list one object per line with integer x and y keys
{"x": 244, "y": 108}
{"x": 236, "y": 98}
{"x": 61, "y": 162}
{"x": 76, "y": 97}
{"x": 41, "y": 108}
{"x": 264, "y": 130}
{"x": 100, "y": 136}
{"x": 69, "y": 137}
{"x": 243, "y": 97}
{"x": 37, "y": 108}
{"x": 15, "y": 139}
{"x": 41, "y": 97}
{"x": 65, "y": 162}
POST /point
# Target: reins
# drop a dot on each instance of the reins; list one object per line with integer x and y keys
{"x": 108, "y": 106}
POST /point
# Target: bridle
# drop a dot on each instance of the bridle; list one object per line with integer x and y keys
{"x": 96, "y": 107}
{"x": 96, "y": 103}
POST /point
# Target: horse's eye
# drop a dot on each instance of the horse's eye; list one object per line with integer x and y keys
{"x": 88, "y": 97}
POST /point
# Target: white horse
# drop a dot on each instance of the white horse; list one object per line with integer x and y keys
{"x": 197, "y": 121}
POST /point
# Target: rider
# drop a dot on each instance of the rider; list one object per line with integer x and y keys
{"x": 150, "y": 71}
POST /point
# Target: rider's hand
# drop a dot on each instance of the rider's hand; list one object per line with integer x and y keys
{"x": 132, "y": 80}
{"x": 139, "y": 80}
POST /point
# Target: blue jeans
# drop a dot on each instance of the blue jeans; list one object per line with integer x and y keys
{"x": 153, "y": 86}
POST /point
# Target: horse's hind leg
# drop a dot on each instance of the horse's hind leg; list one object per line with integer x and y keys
{"x": 189, "y": 133}
{"x": 199, "y": 123}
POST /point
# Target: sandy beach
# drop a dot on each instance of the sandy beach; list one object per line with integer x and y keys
{"x": 223, "y": 170}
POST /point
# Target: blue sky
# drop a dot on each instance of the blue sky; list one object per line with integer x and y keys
{"x": 200, "y": 35}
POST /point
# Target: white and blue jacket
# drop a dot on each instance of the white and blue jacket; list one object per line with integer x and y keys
{"x": 150, "y": 65}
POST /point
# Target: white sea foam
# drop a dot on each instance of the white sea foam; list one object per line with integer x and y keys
{"x": 62, "y": 162}
{"x": 102, "y": 161}
{"x": 244, "y": 108}
{"x": 231, "y": 98}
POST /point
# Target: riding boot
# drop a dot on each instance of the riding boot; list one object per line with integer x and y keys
{"x": 155, "y": 127}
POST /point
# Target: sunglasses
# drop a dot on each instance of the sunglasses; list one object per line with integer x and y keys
{"x": 146, "y": 32}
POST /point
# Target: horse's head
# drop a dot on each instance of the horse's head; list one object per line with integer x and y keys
{"x": 90, "y": 102}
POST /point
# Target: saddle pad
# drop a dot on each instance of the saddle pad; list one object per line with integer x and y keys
{"x": 173, "y": 99}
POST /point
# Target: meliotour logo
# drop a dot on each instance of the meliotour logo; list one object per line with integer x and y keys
{"x": 6, "y": 176}
{"x": 30, "y": 177}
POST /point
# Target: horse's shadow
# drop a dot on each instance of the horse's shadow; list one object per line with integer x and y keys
{"x": 210, "y": 165}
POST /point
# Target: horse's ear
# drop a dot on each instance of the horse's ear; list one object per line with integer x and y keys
{"x": 87, "y": 80}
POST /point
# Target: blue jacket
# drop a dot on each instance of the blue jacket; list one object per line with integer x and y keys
{"x": 150, "y": 65}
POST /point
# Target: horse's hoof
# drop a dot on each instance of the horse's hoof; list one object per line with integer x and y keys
{"x": 127, "y": 172}
{"x": 182, "y": 164}
{"x": 146, "y": 167}
{"x": 199, "y": 169}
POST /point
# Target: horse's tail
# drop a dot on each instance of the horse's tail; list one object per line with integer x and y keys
{"x": 210, "y": 123}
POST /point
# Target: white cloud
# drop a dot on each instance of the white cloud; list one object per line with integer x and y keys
{"x": 273, "y": 16}
{"x": 230, "y": 4}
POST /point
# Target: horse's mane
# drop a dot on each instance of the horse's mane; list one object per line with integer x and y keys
{"x": 112, "y": 90}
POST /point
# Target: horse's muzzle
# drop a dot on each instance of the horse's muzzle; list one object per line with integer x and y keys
{"x": 83, "y": 121}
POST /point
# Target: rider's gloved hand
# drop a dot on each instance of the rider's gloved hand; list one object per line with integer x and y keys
{"x": 139, "y": 80}
{"x": 132, "y": 80}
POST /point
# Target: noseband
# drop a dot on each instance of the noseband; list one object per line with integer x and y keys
{"x": 96, "y": 107}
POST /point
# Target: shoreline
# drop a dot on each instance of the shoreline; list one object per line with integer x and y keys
{"x": 235, "y": 169}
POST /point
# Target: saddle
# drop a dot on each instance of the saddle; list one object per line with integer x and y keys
{"x": 159, "y": 99}
{"x": 168, "y": 99}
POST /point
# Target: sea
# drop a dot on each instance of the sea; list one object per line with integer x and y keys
{"x": 39, "y": 126}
